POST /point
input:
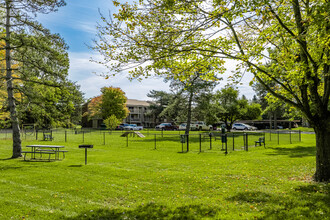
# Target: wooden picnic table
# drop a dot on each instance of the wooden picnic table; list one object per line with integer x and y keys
{"x": 45, "y": 149}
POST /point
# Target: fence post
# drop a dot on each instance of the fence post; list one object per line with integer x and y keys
{"x": 290, "y": 137}
{"x": 65, "y": 135}
{"x": 155, "y": 141}
{"x": 187, "y": 142}
{"x": 247, "y": 142}
{"x": 270, "y": 135}
{"x": 233, "y": 141}
{"x": 210, "y": 141}
{"x": 278, "y": 137}
{"x": 36, "y": 135}
{"x": 200, "y": 143}
{"x": 299, "y": 135}
{"x": 226, "y": 145}
{"x": 264, "y": 140}
{"x": 244, "y": 140}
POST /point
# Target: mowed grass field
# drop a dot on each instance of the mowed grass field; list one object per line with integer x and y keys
{"x": 148, "y": 181}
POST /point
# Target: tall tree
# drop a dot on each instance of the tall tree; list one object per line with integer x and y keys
{"x": 161, "y": 101}
{"x": 229, "y": 108}
{"x": 48, "y": 107}
{"x": 204, "y": 109}
{"x": 111, "y": 102}
{"x": 297, "y": 31}
{"x": 4, "y": 113}
{"x": 190, "y": 87}
{"x": 39, "y": 55}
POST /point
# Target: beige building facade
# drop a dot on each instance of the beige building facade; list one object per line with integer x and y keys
{"x": 139, "y": 113}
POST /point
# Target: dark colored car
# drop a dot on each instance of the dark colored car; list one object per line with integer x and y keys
{"x": 166, "y": 126}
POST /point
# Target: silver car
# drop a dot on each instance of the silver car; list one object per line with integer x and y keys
{"x": 242, "y": 126}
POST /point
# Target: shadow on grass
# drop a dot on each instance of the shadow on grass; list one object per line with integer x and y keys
{"x": 10, "y": 158}
{"x": 294, "y": 152}
{"x": 304, "y": 202}
{"x": 252, "y": 197}
{"x": 150, "y": 211}
{"x": 2, "y": 168}
{"x": 37, "y": 161}
{"x": 75, "y": 165}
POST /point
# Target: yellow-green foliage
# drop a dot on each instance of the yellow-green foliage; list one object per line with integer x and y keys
{"x": 112, "y": 122}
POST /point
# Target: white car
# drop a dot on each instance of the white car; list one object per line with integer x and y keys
{"x": 196, "y": 126}
{"x": 133, "y": 127}
{"x": 182, "y": 126}
{"x": 200, "y": 125}
{"x": 242, "y": 126}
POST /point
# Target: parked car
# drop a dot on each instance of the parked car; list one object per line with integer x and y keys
{"x": 253, "y": 128}
{"x": 133, "y": 127}
{"x": 196, "y": 126}
{"x": 242, "y": 126}
{"x": 166, "y": 126}
{"x": 121, "y": 126}
{"x": 182, "y": 126}
{"x": 200, "y": 125}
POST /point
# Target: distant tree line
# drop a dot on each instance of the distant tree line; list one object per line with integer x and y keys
{"x": 223, "y": 106}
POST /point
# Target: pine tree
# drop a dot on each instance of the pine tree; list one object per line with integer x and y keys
{"x": 32, "y": 53}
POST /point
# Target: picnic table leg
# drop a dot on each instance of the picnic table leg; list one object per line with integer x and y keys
{"x": 34, "y": 152}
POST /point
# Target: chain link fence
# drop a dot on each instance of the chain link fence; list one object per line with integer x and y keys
{"x": 163, "y": 140}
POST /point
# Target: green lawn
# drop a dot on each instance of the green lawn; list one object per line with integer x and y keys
{"x": 141, "y": 182}
{"x": 304, "y": 129}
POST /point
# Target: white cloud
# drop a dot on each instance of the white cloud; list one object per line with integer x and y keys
{"x": 85, "y": 73}
{"x": 134, "y": 90}
{"x": 86, "y": 26}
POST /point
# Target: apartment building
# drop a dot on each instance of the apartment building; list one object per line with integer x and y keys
{"x": 139, "y": 113}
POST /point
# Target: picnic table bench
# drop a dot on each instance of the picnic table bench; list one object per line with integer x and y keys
{"x": 45, "y": 150}
{"x": 37, "y": 152}
{"x": 260, "y": 141}
{"x": 49, "y": 150}
{"x": 48, "y": 137}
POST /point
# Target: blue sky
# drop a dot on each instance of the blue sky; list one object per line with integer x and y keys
{"x": 76, "y": 23}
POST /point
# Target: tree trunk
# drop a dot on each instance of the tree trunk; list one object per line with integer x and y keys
{"x": 189, "y": 113}
{"x": 322, "y": 132}
{"x": 228, "y": 126}
{"x": 10, "y": 90}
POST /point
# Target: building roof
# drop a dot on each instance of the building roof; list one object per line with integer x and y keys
{"x": 135, "y": 102}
